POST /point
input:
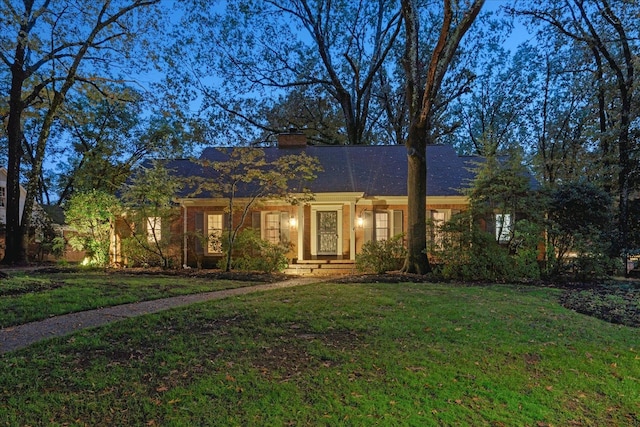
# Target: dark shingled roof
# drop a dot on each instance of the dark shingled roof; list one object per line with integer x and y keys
{"x": 379, "y": 170}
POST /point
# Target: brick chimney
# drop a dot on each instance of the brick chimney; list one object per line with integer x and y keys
{"x": 293, "y": 138}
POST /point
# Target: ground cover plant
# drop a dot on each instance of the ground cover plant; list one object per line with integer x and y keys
{"x": 615, "y": 302}
{"x": 37, "y": 295}
{"x": 337, "y": 354}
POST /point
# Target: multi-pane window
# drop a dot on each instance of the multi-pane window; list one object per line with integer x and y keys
{"x": 3, "y": 197}
{"x": 272, "y": 227}
{"x": 503, "y": 227}
{"x": 382, "y": 226}
{"x": 437, "y": 235}
{"x": 154, "y": 229}
{"x": 214, "y": 233}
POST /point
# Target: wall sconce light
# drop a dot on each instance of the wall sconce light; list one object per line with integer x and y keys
{"x": 293, "y": 222}
{"x": 359, "y": 222}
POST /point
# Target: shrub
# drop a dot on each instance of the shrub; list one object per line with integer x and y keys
{"x": 382, "y": 255}
{"x": 140, "y": 254}
{"x": 90, "y": 214}
{"x": 525, "y": 249}
{"x": 581, "y": 242}
{"x": 251, "y": 253}
{"x": 469, "y": 253}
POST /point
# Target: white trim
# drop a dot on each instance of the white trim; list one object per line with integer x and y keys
{"x": 342, "y": 198}
{"x": 352, "y": 231}
{"x": 403, "y": 200}
{"x": 314, "y": 226}
{"x": 300, "y": 232}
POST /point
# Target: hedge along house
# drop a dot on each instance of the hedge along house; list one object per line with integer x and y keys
{"x": 360, "y": 195}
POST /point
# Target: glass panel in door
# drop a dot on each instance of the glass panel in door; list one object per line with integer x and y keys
{"x": 327, "y": 232}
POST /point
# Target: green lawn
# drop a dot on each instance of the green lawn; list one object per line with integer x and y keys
{"x": 328, "y": 354}
{"x": 28, "y": 297}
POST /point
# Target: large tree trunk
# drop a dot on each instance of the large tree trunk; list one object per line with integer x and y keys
{"x": 15, "y": 247}
{"x": 421, "y": 113}
{"x": 416, "y": 260}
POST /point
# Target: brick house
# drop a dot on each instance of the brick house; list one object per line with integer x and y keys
{"x": 359, "y": 196}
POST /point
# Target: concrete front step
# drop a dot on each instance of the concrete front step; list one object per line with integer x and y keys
{"x": 321, "y": 267}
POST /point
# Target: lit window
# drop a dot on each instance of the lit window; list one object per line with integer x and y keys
{"x": 437, "y": 235}
{"x": 214, "y": 232}
{"x": 154, "y": 227}
{"x": 272, "y": 227}
{"x": 382, "y": 226}
{"x": 503, "y": 227}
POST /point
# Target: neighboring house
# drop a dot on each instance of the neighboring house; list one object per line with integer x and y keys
{"x": 360, "y": 195}
{"x": 54, "y": 219}
{"x": 3, "y": 197}
{"x": 3, "y": 207}
{"x": 47, "y": 222}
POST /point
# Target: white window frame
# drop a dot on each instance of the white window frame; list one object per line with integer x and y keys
{"x": 272, "y": 226}
{"x": 438, "y": 219}
{"x": 381, "y": 223}
{"x": 504, "y": 226}
{"x": 370, "y": 224}
{"x": 214, "y": 227}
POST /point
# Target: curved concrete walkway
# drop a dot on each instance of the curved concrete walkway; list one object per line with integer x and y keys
{"x": 17, "y": 337}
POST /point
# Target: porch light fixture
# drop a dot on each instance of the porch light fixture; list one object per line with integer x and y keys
{"x": 359, "y": 222}
{"x": 293, "y": 222}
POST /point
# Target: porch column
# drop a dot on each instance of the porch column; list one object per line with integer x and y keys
{"x": 352, "y": 231}
{"x": 300, "y": 231}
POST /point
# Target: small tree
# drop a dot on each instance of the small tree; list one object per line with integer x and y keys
{"x": 471, "y": 251}
{"x": 246, "y": 171}
{"x": 91, "y": 215}
{"x": 150, "y": 210}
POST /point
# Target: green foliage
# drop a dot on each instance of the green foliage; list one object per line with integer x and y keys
{"x": 150, "y": 212}
{"x": 502, "y": 186}
{"x": 251, "y": 253}
{"x": 469, "y": 253}
{"x": 469, "y": 249}
{"x": 142, "y": 254}
{"x": 46, "y": 239}
{"x": 244, "y": 167}
{"x": 115, "y": 136}
{"x": 54, "y": 245}
{"x": 379, "y": 256}
{"x": 580, "y": 231}
{"x": 525, "y": 248}
{"x": 91, "y": 214}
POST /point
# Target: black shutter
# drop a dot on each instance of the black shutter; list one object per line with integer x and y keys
{"x": 199, "y": 229}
